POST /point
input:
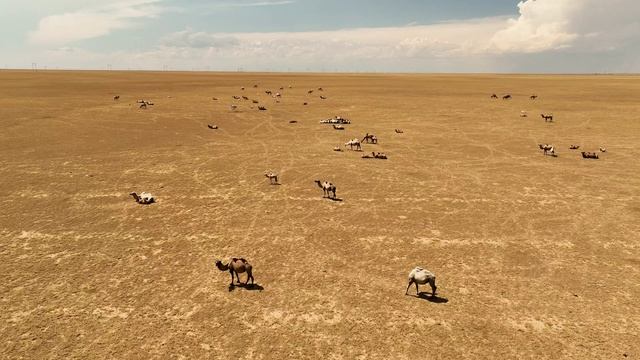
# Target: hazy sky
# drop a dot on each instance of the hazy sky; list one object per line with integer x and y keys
{"x": 324, "y": 35}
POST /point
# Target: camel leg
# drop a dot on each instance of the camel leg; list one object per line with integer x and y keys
{"x": 249, "y": 276}
{"x": 238, "y": 277}
{"x": 408, "y": 286}
{"x": 231, "y": 272}
{"x": 417, "y": 292}
{"x": 433, "y": 287}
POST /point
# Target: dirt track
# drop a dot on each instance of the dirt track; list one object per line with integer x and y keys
{"x": 536, "y": 257}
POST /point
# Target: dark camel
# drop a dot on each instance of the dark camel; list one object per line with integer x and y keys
{"x": 237, "y": 266}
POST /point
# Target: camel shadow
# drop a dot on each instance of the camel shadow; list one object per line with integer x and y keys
{"x": 249, "y": 287}
{"x": 335, "y": 199}
{"x": 432, "y": 298}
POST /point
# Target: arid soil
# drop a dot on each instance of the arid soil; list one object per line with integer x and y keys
{"x": 536, "y": 256}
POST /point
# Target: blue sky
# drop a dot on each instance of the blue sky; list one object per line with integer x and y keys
{"x": 326, "y": 35}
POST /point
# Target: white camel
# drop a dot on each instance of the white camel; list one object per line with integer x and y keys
{"x": 144, "y": 198}
{"x": 422, "y": 276}
{"x": 354, "y": 143}
{"x": 328, "y": 189}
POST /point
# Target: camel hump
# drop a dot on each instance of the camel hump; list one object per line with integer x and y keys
{"x": 239, "y": 259}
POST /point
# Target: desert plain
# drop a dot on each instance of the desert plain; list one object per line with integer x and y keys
{"x": 536, "y": 257}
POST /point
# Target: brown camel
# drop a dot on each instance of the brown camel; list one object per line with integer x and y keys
{"x": 547, "y": 117}
{"x": 273, "y": 177}
{"x": 494, "y": 96}
{"x": 237, "y": 266}
{"x": 506, "y": 97}
{"x": 533, "y": 97}
{"x": 117, "y": 97}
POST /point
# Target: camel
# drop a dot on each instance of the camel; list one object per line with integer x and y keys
{"x": 310, "y": 92}
{"x": 323, "y": 97}
{"x": 144, "y": 198}
{"x": 236, "y": 97}
{"x": 305, "y": 103}
{"x": 268, "y": 92}
{"x": 255, "y": 86}
{"x": 237, "y": 266}
{"x": 214, "y": 98}
{"x": 523, "y": 114}
{"x": 337, "y": 148}
{"x": 354, "y": 143}
{"x": 506, "y": 97}
{"x": 273, "y": 177}
{"x": 212, "y": 127}
{"x": 589, "y": 155}
{"x": 245, "y": 98}
{"x": 117, "y": 97}
{"x": 399, "y": 131}
{"x": 494, "y": 96}
{"x": 533, "y": 97}
{"x": 255, "y": 101}
{"x": 234, "y": 107}
{"x": 547, "y": 149}
{"x": 143, "y": 106}
{"x": 574, "y": 147}
{"x": 338, "y": 127}
{"x": 547, "y": 117}
{"x": 320, "y": 89}
{"x": 293, "y": 121}
{"x": 327, "y": 188}
{"x": 242, "y": 88}
{"x": 262, "y": 108}
{"x": 374, "y": 155}
{"x": 370, "y": 138}
{"x": 422, "y": 276}
{"x": 603, "y": 149}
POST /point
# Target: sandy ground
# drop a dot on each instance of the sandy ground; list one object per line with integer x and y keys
{"x": 536, "y": 257}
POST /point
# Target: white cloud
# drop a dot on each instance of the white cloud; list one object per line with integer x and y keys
{"x": 92, "y": 22}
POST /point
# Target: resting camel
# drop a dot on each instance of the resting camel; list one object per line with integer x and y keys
{"x": 234, "y": 107}
{"x": 143, "y": 106}
{"x": 574, "y": 147}
{"x": 273, "y": 177}
{"x": 370, "y": 138}
{"x": 268, "y": 92}
{"x": 523, "y": 114}
{"x": 533, "y": 97}
{"x": 603, "y": 149}
{"x": 422, "y": 276}
{"x": 245, "y": 98}
{"x": 254, "y": 101}
{"x": 236, "y": 97}
{"x": 375, "y": 155}
{"x": 305, "y": 103}
{"x": 323, "y": 97}
{"x": 310, "y": 92}
{"x": 212, "y": 127}
{"x": 494, "y": 96}
{"x": 117, "y": 97}
{"x": 547, "y": 117}
{"x": 320, "y": 89}
{"x": 327, "y": 188}
{"x": 506, "y": 97}
{"x": 354, "y": 143}
{"x": 242, "y": 88}
{"x": 237, "y": 266}
{"x": 214, "y": 98}
{"x": 262, "y": 108}
{"x": 255, "y": 86}
{"x": 589, "y": 155}
{"x": 144, "y": 198}
{"x": 399, "y": 131}
{"x": 338, "y": 127}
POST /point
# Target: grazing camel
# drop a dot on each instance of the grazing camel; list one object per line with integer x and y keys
{"x": 422, "y": 276}
{"x": 273, "y": 177}
{"x": 237, "y": 266}
{"x": 506, "y": 97}
{"x": 370, "y": 138}
{"x": 144, "y": 198}
{"x": 262, "y": 108}
{"x": 354, "y": 143}
{"x": 328, "y": 189}
{"x": 589, "y": 155}
{"x": 548, "y": 149}
{"x": 212, "y": 127}
{"x": 399, "y": 131}
{"x": 494, "y": 96}
{"x": 574, "y": 147}
{"x": 533, "y": 97}
{"x": 547, "y": 117}
{"x": 117, "y": 97}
